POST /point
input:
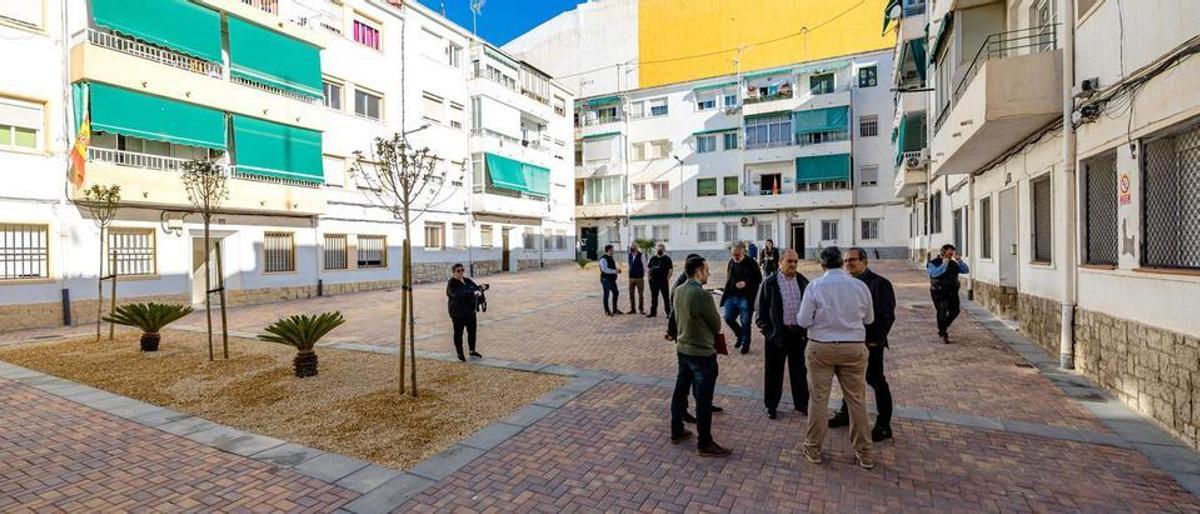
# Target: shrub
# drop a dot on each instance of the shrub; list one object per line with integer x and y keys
{"x": 302, "y": 332}
{"x": 150, "y": 318}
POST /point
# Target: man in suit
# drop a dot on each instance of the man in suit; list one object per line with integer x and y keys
{"x": 778, "y": 304}
{"x": 637, "y": 280}
{"x": 883, "y": 302}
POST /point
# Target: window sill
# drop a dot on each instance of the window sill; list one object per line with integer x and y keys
{"x": 128, "y": 278}
{"x": 1041, "y": 264}
{"x": 284, "y": 272}
{"x": 1190, "y": 272}
{"x": 1099, "y": 267}
{"x": 41, "y": 31}
{"x": 25, "y": 151}
{"x": 27, "y": 281}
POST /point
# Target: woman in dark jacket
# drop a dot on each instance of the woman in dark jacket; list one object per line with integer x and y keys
{"x": 464, "y": 296}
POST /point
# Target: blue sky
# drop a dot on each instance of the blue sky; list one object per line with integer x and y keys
{"x": 502, "y": 20}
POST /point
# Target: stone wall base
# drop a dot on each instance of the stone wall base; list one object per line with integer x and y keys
{"x": 1001, "y": 300}
{"x": 1040, "y": 320}
{"x": 50, "y": 314}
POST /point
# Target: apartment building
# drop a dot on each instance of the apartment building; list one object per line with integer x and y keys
{"x": 1061, "y": 146}
{"x": 798, "y": 154}
{"x": 281, "y": 94}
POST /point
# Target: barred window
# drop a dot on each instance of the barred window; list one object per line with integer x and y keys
{"x": 731, "y": 232}
{"x": 1043, "y": 220}
{"x": 868, "y": 126}
{"x": 335, "y": 251}
{"x": 1171, "y": 199}
{"x": 706, "y": 232}
{"x": 435, "y": 236}
{"x": 485, "y": 236}
{"x": 870, "y": 229}
{"x": 662, "y": 233}
{"x": 935, "y": 213}
{"x": 639, "y": 232}
{"x": 1100, "y": 209}
{"x": 372, "y": 252}
{"x": 956, "y": 217}
{"x": 829, "y": 230}
{"x": 132, "y": 250}
{"x": 527, "y": 239}
{"x": 279, "y": 252}
{"x": 460, "y": 235}
{"x": 24, "y": 251}
{"x": 764, "y": 231}
{"x": 560, "y": 242}
{"x": 985, "y": 227}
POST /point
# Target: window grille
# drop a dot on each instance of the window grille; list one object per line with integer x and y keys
{"x": 132, "y": 251}
{"x": 985, "y": 227}
{"x": 372, "y": 252}
{"x": 1043, "y": 220}
{"x": 433, "y": 236}
{"x": 278, "y": 252}
{"x": 870, "y": 229}
{"x": 706, "y": 232}
{"x": 868, "y": 126}
{"x": 731, "y": 232}
{"x": 829, "y": 230}
{"x": 24, "y": 251}
{"x": 335, "y": 251}
{"x": 1100, "y": 209}
{"x": 1171, "y": 199}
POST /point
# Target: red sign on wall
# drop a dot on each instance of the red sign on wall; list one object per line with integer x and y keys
{"x": 1124, "y": 196}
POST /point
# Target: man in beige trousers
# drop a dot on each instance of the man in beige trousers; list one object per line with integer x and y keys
{"x": 836, "y": 309}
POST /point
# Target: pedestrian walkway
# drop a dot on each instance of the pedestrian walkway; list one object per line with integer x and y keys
{"x": 983, "y": 425}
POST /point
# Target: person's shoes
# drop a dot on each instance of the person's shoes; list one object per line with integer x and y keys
{"x": 839, "y": 420}
{"x": 803, "y": 412}
{"x": 609, "y": 314}
{"x": 461, "y": 357}
{"x": 714, "y": 450}
{"x": 881, "y": 433}
{"x": 812, "y": 455}
{"x": 631, "y": 311}
{"x": 681, "y": 437}
{"x": 864, "y": 461}
{"x": 476, "y": 355}
{"x": 652, "y": 315}
{"x": 618, "y": 312}
{"x": 771, "y": 414}
{"x": 945, "y": 337}
{"x": 716, "y": 409}
{"x": 737, "y": 344}
{"x": 745, "y": 349}
{"x": 689, "y": 418}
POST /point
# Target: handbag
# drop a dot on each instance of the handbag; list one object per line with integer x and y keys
{"x": 719, "y": 344}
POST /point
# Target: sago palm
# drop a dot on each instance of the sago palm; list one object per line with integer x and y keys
{"x": 150, "y": 317}
{"x": 302, "y": 332}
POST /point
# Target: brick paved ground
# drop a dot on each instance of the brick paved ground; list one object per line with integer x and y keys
{"x": 64, "y": 457}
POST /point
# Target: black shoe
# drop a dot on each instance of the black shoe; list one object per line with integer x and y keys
{"x": 688, "y": 418}
{"x": 803, "y": 412}
{"x": 681, "y": 437}
{"x": 881, "y": 434}
{"x": 714, "y": 450}
{"x": 652, "y": 315}
{"x": 745, "y": 349}
{"x": 771, "y": 414}
{"x": 609, "y": 314}
{"x": 631, "y": 311}
{"x": 475, "y": 355}
{"x": 945, "y": 339}
{"x": 618, "y": 312}
{"x": 716, "y": 409}
{"x": 839, "y": 420}
{"x": 737, "y": 344}
{"x": 461, "y": 357}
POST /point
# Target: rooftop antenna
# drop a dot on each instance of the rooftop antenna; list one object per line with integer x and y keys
{"x": 476, "y": 10}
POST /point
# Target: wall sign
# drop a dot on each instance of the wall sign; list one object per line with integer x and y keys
{"x": 1125, "y": 197}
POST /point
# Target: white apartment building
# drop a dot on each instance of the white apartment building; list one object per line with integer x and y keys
{"x": 281, "y": 94}
{"x": 798, "y": 154}
{"x": 1062, "y": 157}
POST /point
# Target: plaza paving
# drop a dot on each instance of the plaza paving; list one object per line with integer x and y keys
{"x": 983, "y": 425}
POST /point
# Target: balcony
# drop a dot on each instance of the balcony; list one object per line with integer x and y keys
{"x": 130, "y": 46}
{"x": 793, "y": 199}
{"x": 909, "y": 181}
{"x": 1012, "y": 88}
{"x": 267, "y": 6}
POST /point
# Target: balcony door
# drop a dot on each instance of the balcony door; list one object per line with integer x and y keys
{"x": 1008, "y": 251}
{"x": 796, "y": 242}
{"x": 199, "y": 269}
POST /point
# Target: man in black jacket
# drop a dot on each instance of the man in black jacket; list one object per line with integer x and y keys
{"x": 778, "y": 305}
{"x": 660, "y": 274}
{"x": 463, "y": 297}
{"x": 883, "y": 302}
{"x": 741, "y": 289}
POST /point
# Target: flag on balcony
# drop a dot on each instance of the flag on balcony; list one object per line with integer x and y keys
{"x": 83, "y": 136}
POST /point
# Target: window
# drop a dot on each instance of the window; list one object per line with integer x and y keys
{"x": 706, "y": 232}
{"x": 335, "y": 252}
{"x": 333, "y": 95}
{"x": 731, "y": 140}
{"x": 731, "y": 101}
{"x": 1171, "y": 199}
{"x": 366, "y": 34}
{"x": 456, "y": 115}
{"x": 133, "y": 251}
{"x": 935, "y": 213}
{"x": 454, "y": 55}
{"x": 598, "y": 150}
{"x": 637, "y": 110}
{"x": 730, "y": 186}
{"x": 431, "y": 107}
{"x": 731, "y": 231}
{"x": 829, "y": 230}
{"x": 639, "y": 192}
{"x": 868, "y": 176}
{"x": 435, "y": 236}
{"x": 639, "y": 232}
{"x": 334, "y": 170}
{"x": 868, "y": 76}
{"x": 662, "y": 233}
{"x": 985, "y": 227}
{"x": 870, "y": 229}
{"x": 1100, "y": 209}
{"x": 603, "y": 190}
{"x": 24, "y": 251}
{"x": 485, "y": 236}
{"x": 279, "y": 252}
{"x": 20, "y": 123}
{"x": 1042, "y": 219}
{"x": 706, "y": 187}
{"x": 868, "y": 126}
{"x": 769, "y": 131}
{"x": 24, "y": 12}
{"x": 560, "y": 106}
{"x": 527, "y": 240}
{"x": 821, "y": 84}
{"x": 560, "y": 242}
{"x": 367, "y": 105}
{"x": 459, "y": 232}
{"x": 661, "y": 190}
{"x": 372, "y": 252}
{"x": 706, "y": 104}
{"x": 770, "y": 184}
{"x": 657, "y": 149}
{"x": 705, "y": 144}
{"x": 658, "y": 107}
{"x": 764, "y": 230}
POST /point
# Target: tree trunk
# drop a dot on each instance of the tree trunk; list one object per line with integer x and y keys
{"x": 208, "y": 286}
{"x": 112, "y": 306}
{"x": 224, "y": 322}
{"x": 149, "y": 341}
{"x": 305, "y": 364}
{"x": 100, "y": 286}
{"x": 412, "y": 325}
{"x": 403, "y": 308}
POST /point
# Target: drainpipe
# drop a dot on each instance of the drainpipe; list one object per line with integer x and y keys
{"x": 972, "y": 248}
{"x": 1067, "y": 189}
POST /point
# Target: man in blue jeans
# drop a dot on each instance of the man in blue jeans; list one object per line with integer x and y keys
{"x": 699, "y": 325}
{"x": 741, "y": 288}
{"x": 608, "y": 280}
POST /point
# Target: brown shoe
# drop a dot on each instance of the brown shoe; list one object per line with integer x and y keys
{"x": 681, "y": 437}
{"x": 864, "y": 461}
{"x": 945, "y": 339}
{"x": 714, "y": 450}
{"x": 813, "y": 455}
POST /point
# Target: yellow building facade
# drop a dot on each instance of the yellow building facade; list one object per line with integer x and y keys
{"x": 681, "y": 40}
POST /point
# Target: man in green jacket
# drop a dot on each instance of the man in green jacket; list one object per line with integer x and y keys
{"x": 698, "y": 323}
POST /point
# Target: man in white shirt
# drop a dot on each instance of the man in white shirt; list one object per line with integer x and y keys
{"x": 836, "y": 309}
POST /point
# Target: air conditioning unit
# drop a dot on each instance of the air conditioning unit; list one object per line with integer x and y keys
{"x": 747, "y": 221}
{"x": 732, "y": 110}
{"x": 916, "y": 162}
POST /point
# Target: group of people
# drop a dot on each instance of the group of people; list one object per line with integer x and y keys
{"x": 657, "y": 269}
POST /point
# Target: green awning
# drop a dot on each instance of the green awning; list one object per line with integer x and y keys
{"x": 176, "y": 24}
{"x": 518, "y": 176}
{"x": 713, "y": 87}
{"x": 601, "y": 135}
{"x": 716, "y": 131}
{"x": 822, "y": 168}
{"x": 274, "y": 150}
{"x": 901, "y": 137}
{"x": 121, "y": 111}
{"x": 537, "y": 179}
{"x": 940, "y": 38}
{"x": 831, "y": 119}
{"x": 771, "y": 114}
{"x": 915, "y": 49}
{"x": 270, "y": 58}
{"x": 887, "y": 13}
{"x": 767, "y": 73}
{"x": 822, "y": 67}
{"x": 604, "y": 100}
{"x": 912, "y": 137}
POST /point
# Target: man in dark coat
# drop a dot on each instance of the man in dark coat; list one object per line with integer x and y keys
{"x": 660, "y": 274}
{"x": 778, "y": 305}
{"x": 741, "y": 290}
{"x": 463, "y": 298}
{"x": 883, "y": 302}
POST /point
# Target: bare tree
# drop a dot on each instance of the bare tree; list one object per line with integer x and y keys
{"x": 103, "y": 202}
{"x": 407, "y": 182}
{"x": 206, "y": 186}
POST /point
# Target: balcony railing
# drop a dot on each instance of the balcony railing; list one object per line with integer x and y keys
{"x": 130, "y": 46}
{"x": 1029, "y": 41}
{"x": 234, "y": 173}
{"x": 271, "y": 6}
{"x": 600, "y": 120}
{"x": 756, "y": 145}
{"x": 276, "y": 91}
{"x": 175, "y": 164}
{"x": 782, "y": 95}
{"x": 817, "y": 138}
